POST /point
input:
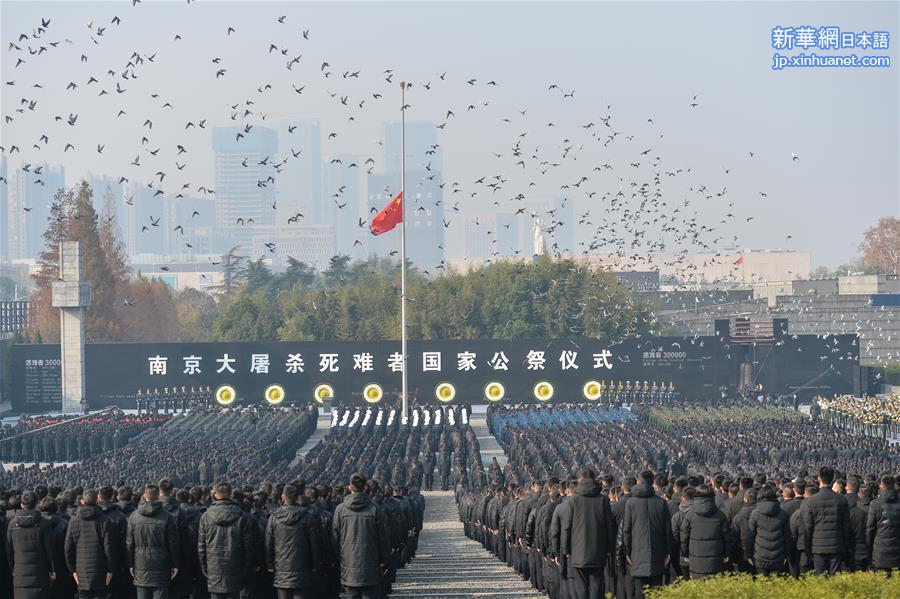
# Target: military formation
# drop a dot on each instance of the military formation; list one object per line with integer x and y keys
{"x": 877, "y": 415}
{"x": 194, "y": 533}
{"x": 70, "y": 439}
{"x": 595, "y": 500}
{"x": 171, "y": 400}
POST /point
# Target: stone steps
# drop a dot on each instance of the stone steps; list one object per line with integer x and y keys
{"x": 449, "y": 565}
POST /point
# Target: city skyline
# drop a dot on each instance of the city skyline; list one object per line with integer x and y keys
{"x": 518, "y": 128}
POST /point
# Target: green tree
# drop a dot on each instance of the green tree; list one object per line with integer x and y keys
{"x": 197, "y": 312}
{"x": 7, "y": 289}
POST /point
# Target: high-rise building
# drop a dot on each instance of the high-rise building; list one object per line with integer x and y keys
{"x": 30, "y": 208}
{"x": 343, "y": 204}
{"x": 4, "y": 211}
{"x": 490, "y": 235}
{"x": 145, "y": 223}
{"x": 424, "y": 217}
{"x": 190, "y": 223}
{"x": 423, "y": 153}
{"x": 244, "y": 182}
{"x": 310, "y": 244}
{"x": 300, "y": 180}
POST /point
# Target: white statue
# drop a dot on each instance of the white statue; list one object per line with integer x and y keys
{"x": 540, "y": 242}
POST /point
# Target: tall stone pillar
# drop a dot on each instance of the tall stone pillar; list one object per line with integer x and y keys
{"x": 71, "y": 295}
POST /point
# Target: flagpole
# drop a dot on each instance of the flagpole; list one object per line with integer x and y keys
{"x": 405, "y": 406}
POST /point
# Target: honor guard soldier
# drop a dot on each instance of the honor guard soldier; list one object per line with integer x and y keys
{"x": 139, "y": 399}
{"x": 620, "y": 393}
{"x": 154, "y": 402}
{"x": 654, "y": 393}
{"x": 645, "y": 393}
{"x": 184, "y": 399}
{"x": 629, "y": 395}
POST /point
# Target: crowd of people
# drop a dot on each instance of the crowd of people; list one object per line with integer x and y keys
{"x": 190, "y": 509}
{"x": 172, "y": 400}
{"x": 70, "y": 438}
{"x": 594, "y": 499}
{"x": 249, "y": 444}
{"x": 877, "y": 415}
{"x": 438, "y": 448}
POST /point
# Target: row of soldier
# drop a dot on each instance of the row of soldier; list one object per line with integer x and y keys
{"x": 172, "y": 400}
{"x": 579, "y": 538}
{"x": 49, "y": 440}
{"x": 293, "y": 540}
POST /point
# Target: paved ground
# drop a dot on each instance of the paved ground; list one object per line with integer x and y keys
{"x": 489, "y": 446}
{"x": 448, "y": 564}
{"x": 323, "y": 424}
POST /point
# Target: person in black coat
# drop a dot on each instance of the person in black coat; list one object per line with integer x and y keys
{"x": 63, "y": 587}
{"x": 826, "y": 526}
{"x": 768, "y": 534}
{"x": 861, "y": 558}
{"x": 152, "y": 546}
{"x": 705, "y": 536}
{"x": 225, "y": 545}
{"x": 29, "y": 551}
{"x": 116, "y": 523}
{"x": 883, "y": 527}
{"x": 646, "y": 535}
{"x": 294, "y": 546}
{"x": 591, "y": 536}
{"x": 362, "y": 539}
{"x": 89, "y": 549}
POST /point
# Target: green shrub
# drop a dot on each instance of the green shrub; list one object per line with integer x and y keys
{"x": 855, "y": 585}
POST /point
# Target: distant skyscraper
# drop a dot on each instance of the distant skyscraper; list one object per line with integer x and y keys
{"x": 147, "y": 225}
{"x": 300, "y": 182}
{"x": 343, "y": 204}
{"x": 30, "y": 211}
{"x": 310, "y": 244}
{"x": 196, "y": 217}
{"x": 108, "y": 195}
{"x": 491, "y": 235}
{"x": 4, "y": 211}
{"x": 421, "y": 155}
{"x": 424, "y": 217}
{"x": 244, "y": 194}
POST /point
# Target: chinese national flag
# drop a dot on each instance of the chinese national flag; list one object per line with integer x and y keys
{"x": 389, "y": 217}
{"x": 739, "y": 261}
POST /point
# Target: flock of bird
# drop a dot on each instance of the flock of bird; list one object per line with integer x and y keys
{"x": 637, "y": 203}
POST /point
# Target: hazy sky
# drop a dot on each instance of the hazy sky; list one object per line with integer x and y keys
{"x": 626, "y": 61}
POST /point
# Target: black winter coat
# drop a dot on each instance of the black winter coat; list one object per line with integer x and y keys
{"x": 768, "y": 534}
{"x": 89, "y": 548}
{"x": 858, "y": 515}
{"x": 592, "y": 534}
{"x": 294, "y": 549}
{"x": 826, "y": 523}
{"x": 29, "y": 551}
{"x": 152, "y": 543}
{"x": 225, "y": 547}
{"x": 116, "y": 524}
{"x": 705, "y": 536}
{"x": 362, "y": 540}
{"x": 646, "y": 533}
{"x": 883, "y": 530}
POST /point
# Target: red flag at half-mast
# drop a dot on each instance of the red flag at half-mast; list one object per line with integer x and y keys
{"x": 389, "y": 217}
{"x": 739, "y": 261}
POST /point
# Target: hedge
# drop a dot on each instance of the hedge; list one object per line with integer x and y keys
{"x": 855, "y": 585}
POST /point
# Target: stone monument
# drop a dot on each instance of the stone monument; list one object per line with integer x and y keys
{"x": 71, "y": 295}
